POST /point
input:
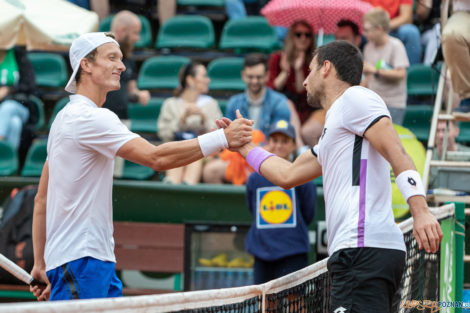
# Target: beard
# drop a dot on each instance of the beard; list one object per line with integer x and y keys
{"x": 126, "y": 47}
{"x": 313, "y": 100}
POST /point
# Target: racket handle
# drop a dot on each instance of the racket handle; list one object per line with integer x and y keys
{"x": 38, "y": 283}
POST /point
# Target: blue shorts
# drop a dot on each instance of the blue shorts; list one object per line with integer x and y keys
{"x": 85, "y": 278}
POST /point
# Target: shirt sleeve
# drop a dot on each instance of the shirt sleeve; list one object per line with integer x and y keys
{"x": 400, "y": 58}
{"x": 104, "y": 133}
{"x": 362, "y": 108}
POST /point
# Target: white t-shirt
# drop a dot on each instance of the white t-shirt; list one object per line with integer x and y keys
{"x": 82, "y": 144}
{"x": 356, "y": 178}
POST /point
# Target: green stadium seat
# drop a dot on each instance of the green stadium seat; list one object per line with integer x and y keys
{"x": 145, "y": 40}
{"x": 136, "y": 171}
{"x": 35, "y": 159}
{"x": 39, "y": 106}
{"x": 223, "y": 105}
{"x": 422, "y": 80}
{"x": 186, "y": 31}
{"x": 144, "y": 117}
{"x": 418, "y": 120}
{"x": 225, "y": 74}
{"x": 161, "y": 72}
{"x": 214, "y": 3}
{"x": 8, "y": 159}
{"x": 327, "y": 38}
{"x": 252, "y": 33}
{"x": 57, "y": 107}
{"x": 50, "y": 69}
{"x": 464, "y": 134}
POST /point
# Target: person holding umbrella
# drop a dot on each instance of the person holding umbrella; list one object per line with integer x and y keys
{"x": 287, "y": 71}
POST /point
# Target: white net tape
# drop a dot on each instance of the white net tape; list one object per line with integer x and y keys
{"x": 193, "y": 299}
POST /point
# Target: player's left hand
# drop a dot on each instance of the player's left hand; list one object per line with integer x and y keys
{"x": 40, "y": 292}
{"x": 426, "y": 228}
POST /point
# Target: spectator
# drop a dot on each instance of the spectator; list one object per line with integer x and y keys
{"x": 279, "y": 248}
{"x": 258, "y": 103}
{"x": 452, "y": 145}
{"x": 349, "y": 31}
{"x": 186, "y": 115}
{"x": 287, "y": 72}
{"x": 456, "y": 49}
{"x": 429, "y": 16}
{"x": 385, "y": 63}
{"x": 17, "y": 82}
{"x": 401, "y": 19}
{"x": 126, "y": 28}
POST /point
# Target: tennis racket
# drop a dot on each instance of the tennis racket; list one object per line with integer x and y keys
{"x": 18, "y": 272}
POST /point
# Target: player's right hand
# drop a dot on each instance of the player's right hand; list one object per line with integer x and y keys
{"x": 238, "y": 132}
{"x": 40, "y": 292}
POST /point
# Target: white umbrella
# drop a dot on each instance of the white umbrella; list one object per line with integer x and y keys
{"x": 43, "y": 24}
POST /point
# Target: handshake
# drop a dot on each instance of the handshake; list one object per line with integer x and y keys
{"x": 233, "y": 135}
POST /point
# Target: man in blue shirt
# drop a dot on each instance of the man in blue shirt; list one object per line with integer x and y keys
{"x": 278, "y": 237}
{"x": 258, "y": 103}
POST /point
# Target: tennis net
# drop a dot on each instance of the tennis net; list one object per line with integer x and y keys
{"x": 304, "y": 291}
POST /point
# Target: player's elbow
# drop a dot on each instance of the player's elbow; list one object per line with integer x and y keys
{"x": 287, "y": 182}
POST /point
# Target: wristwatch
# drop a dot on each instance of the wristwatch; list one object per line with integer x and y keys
{"x": 377, "y": 74}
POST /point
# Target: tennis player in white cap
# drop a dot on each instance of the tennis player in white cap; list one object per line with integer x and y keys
{"x": 72, "y": 224}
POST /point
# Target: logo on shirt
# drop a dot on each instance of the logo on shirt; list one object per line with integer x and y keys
{"x": 323, "y": 133}
{"x": 275, "y": 207}
{"x": 340, "y": 310}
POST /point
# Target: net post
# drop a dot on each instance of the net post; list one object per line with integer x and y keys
{"x": 452, "y": 251}
{"x": 447, "y": 285}
{"x": 459, "y": 251}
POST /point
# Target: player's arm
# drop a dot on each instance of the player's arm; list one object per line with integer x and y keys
{"x": 426, "y": 229}
{"x": 39, "y": 236}
{"x": 179, "y": 153}
{"x": 284, "y": 173}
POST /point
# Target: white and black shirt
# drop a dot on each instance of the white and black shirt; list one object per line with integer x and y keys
{"x": 356, "y": 178}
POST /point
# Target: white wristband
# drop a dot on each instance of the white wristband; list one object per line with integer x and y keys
{"x": 410, "y": 184}
{"x": 212, "y": 142}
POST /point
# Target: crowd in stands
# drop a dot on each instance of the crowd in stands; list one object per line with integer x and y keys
{"x": 395, "y": 37}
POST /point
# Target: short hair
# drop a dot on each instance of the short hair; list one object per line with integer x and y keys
{"x": 90, "y": 57}
{"x": 351, "y": 24}
{"x": 377, "y": 17}
{"x": 346, "y": 58}
{"x": 253, "y": 59}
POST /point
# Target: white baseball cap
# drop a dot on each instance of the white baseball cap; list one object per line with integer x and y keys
{"x": 80, "y": 48}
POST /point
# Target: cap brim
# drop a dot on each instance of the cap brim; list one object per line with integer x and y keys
{"x": 282, "y": 131}
{"x": 72, "y": 85}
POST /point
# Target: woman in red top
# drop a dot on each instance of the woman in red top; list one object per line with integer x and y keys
{"x": 287, "y": 71}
